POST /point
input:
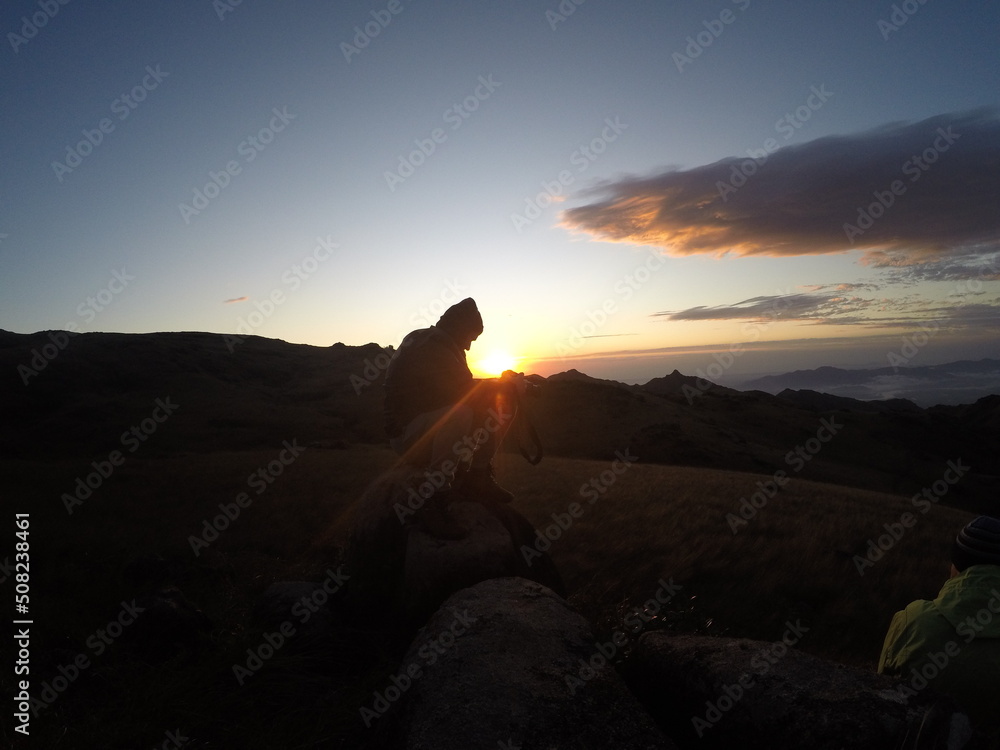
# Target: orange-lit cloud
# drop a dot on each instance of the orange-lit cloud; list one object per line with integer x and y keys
{"x": 235, "y": 299}
{"x": 934, "y": 186}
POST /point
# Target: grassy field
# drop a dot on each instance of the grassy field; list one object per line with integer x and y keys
{"x": 793, "y": 560}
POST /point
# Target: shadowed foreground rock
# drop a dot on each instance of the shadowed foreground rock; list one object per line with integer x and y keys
{"x": 493, "y": 663}
{"x": 303, "y": 605}
{"x": 394, "y": 561}
{"x": 436, "y": 568}
{"x": 726, "y": 693}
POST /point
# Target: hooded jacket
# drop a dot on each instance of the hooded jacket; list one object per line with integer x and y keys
{"x": 952, "y": 644}
{"x": 429, "y": 371}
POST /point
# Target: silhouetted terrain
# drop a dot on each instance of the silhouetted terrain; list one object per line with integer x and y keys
{"x": 952, "y": 383}
{"x": 196, "y": 421}
{"x": 256, "y": 392}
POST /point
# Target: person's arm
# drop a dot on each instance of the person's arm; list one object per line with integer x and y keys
{"x": 888, "y": 661}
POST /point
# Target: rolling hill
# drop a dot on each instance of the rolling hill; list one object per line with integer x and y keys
{"x": 258, "y": 392}
{"x": 952, "y": 383}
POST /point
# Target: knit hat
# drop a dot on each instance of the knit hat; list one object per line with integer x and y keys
{"x": 977, "y": 544}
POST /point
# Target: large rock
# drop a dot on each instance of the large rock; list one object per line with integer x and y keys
{"x": 306, "y": 606}
{"x": 490, "y": 670}
{"x": 395, "y": 562}
{"x": 167, "y": 622}
{"x": 436, "y": 568}
{"x": 726, "y": 693}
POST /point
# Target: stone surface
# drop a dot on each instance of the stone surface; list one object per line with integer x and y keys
{"x": 436, "y": 568}
{"x": 490, "y": 671}
{"x": 395, "y": 563}
{"x": 726, "y": 693}
{"x": 167, "y": 621}
{"x": 286, "y": 601}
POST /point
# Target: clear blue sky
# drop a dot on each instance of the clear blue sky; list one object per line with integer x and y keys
{"x": 368, "y": 179}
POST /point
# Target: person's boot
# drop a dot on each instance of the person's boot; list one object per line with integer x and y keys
{"x": 436, "y": 519}
{"x": 481, "y": 485}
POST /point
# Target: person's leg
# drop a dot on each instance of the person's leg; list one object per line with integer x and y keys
{"x": 494, "y": 409}
{"x": 433, "y": 442}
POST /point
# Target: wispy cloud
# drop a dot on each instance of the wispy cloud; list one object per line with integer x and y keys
{"x": 847, "y": 310}
{"x": 786, "y": 307}
{"x": 943, "y": 215}
{"x": 235, "y": 299}
{"x": 957, "y": 267}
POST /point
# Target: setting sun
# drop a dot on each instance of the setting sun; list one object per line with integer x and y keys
{"x": 494, "y": 363}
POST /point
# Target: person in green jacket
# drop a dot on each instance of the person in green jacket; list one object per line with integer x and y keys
{"x": 952, "y": 644}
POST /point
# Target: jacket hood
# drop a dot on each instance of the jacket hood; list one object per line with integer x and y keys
{"x": 462, "y": 319}
{"x": 462, "y": 323}
{"x": 971, "y": 602}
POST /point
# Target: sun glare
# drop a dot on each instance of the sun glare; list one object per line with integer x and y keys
{"x": 494, "y": 363}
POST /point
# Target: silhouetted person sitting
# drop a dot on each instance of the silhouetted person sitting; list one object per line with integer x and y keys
{"x": 952, "y": 644}
{"x": 440, "y": 419}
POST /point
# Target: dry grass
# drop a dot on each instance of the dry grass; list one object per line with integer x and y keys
{"x": 792, "y": 561}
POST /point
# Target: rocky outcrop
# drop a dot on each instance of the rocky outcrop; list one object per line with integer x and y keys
{"x": 724, "y": 693}
{"x": 167, "y": 622}
{"x": 499, "y": 665}
{"x": 503, "y": 661}
{"x": 394, "y": 561}
{"x": 306, "y": 606}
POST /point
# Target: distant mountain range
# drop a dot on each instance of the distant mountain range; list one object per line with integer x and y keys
{"x": 78, "y": 396}
{"x": 954, "y": 383}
